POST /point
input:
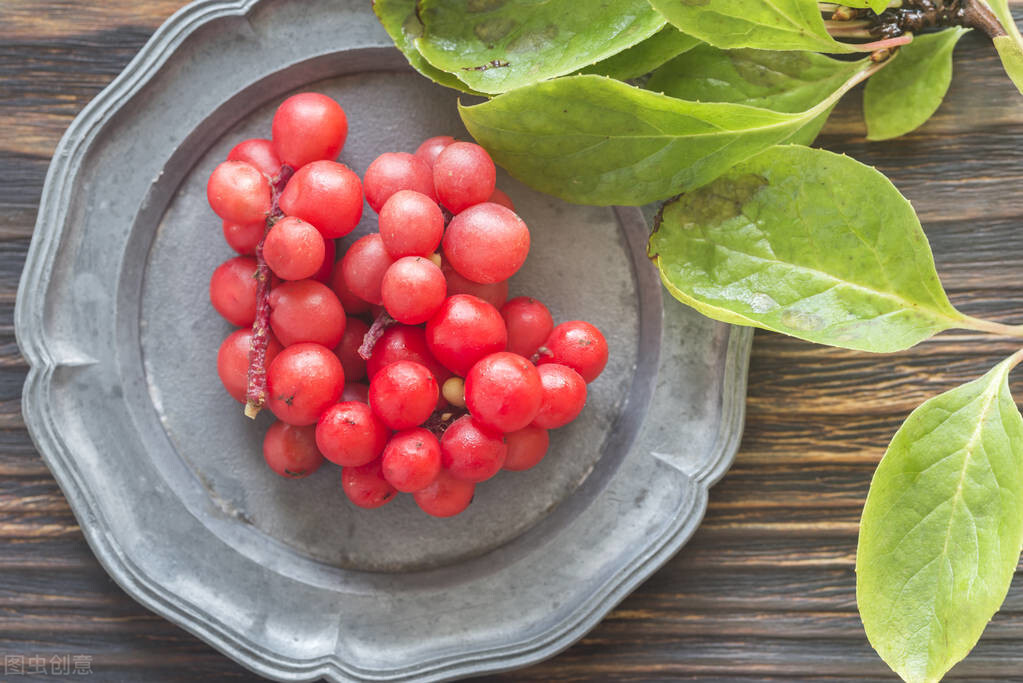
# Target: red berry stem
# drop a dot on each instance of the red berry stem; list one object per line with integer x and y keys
{"x": 255, "y": 393}
{"x": 376, "y": 331}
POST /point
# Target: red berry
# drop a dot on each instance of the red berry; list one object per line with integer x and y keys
{"x": 356, "y": 391}
{"x": 503, "y": 199}
{"x": 403, "y": 342}
{"x": 244, "y": 237}
{"x": 446, "y": 496}
{"x": 411, "y": 224}
{"x": 302, "y": 382}
{"x": 326, "y": 194}
{"x": 353, "y": 305}
{"x": 294, "y": 249}
{"x": 470, "y": 451}
{"x": 306, "y": 311}
{"x": 291, "y": 451}
{"x": 327, "y": 268}
{"x": 564, "y": 395}
{"x": 364, "y": 266}
{"x": 238, "y": 192}
{"x": 403, "y": 394}
{"x": 579, "y": 345}
{"x": 258, "y": 153}
{"x": 392, "y": 172}
{"x": 503, "y": 392}
{"x": 233, "y": 361}
{"x": 349, "y": 434}
{"x": 309, "y": 127}
{"x": 348, "y": 350}
{"x": 413, "y": 289}
{"x": 432, "y": 147}
{"x": 233, "y": 290}
{"x": 411, "y": 460}
{"x": 365, "y": 485}
{"x": 464, "y": 175}
{"x": 529, "y": 324}
{"x": 486, "y": 243}
{"x": 526, "y": 448}
{"x": 463, "y": 331}
{"x": 495, "y": 293}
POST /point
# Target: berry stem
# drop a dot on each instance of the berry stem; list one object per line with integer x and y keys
{"x": 255, "y": 393}
{"x": 371, "y": 337}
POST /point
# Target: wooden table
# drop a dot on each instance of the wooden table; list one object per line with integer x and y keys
{"x": 765, "y": 590}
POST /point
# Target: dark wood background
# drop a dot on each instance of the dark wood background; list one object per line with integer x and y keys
{"x": 765, "y": 590}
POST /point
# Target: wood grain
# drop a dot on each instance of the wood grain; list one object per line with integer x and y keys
{"x": 765, "y": 590}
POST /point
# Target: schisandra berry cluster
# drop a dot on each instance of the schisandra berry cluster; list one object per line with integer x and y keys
{"x": 462, "y": 382}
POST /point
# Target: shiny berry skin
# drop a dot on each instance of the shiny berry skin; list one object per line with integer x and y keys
{"x": 463, "y": 175}
{"x": 392, "y": 172}
{"x": 326, "y": 194}
{"x": 291, "y": 451}
{"x": 302, "y": 382}
{"x": 486, "y": 243}
{"x": 365, "y": 485}
{"x": 349, "y": 434}
{"x": 495, "y": 293}
{"x": 526, "y": 448}
{"x": 238, "y": 192}
{"x": 403, "y": 394}
{"x": 453, "y": 391}
{"x": 411, "y": 460}
{"x": 413, "y": 289}
{"x": 463, "y": 331}
{"x": 503, "y": 392}
{"x": 446, "y": 496}
{"x": 411, "y": 224}
{"x": 579, "y": 345}
{"x": 353, "y": 305}
{"x": 308, "y": 127}
{"x": 258, "y": 153}
{"x": 564, "y": 395}
{"x": 363, "y": 268}
{"x": 348, "y": 350}
{"x": 503, "y": 199}
{"x": 432, "y": 147}
{"x": 472, "y": 452}
{"x": 244, "y": 237}
{"x": 294, "y": 249}
{"x": 529, "y": 324}
{"x": 306, "y": 311}
{"x": 356, "y": 391}
{"x": 233, "y": 361}
{"x": 403, "y": 342}
{"x": 233, "y": 290}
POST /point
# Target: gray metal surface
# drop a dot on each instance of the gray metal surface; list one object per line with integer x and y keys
{"x": 166, "y": 476}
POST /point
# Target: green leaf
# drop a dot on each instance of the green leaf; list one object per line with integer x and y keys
{"x": 644, "y": 57}
{"x": 877, "y": 5}
{"x": 594, "y": 140}
{"x": 902, "y": 96}
{"x": 1009, "y": 46}
{"x": 942, "y": 527}
{"x": 1012, "y": 58}
{"x": 774, "y": 25}
{"x": 808, "y": 243}
{"x": 399, "y": 19}
{"x": 498, "y": 45}
{"x": 782, "y": 81}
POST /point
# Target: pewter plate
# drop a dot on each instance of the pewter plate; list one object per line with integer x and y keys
{"x": 166, "y": 476}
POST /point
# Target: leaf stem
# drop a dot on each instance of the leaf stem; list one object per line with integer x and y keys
{"x": 981, "y": 325}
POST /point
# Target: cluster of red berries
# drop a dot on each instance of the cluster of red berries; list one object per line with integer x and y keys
{"x": 462, "y": 383}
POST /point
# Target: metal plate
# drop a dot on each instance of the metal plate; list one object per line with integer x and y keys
{"x": 166, "y": 476}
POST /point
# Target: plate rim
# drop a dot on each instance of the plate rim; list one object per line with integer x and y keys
{"x": 58, "y": 454}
